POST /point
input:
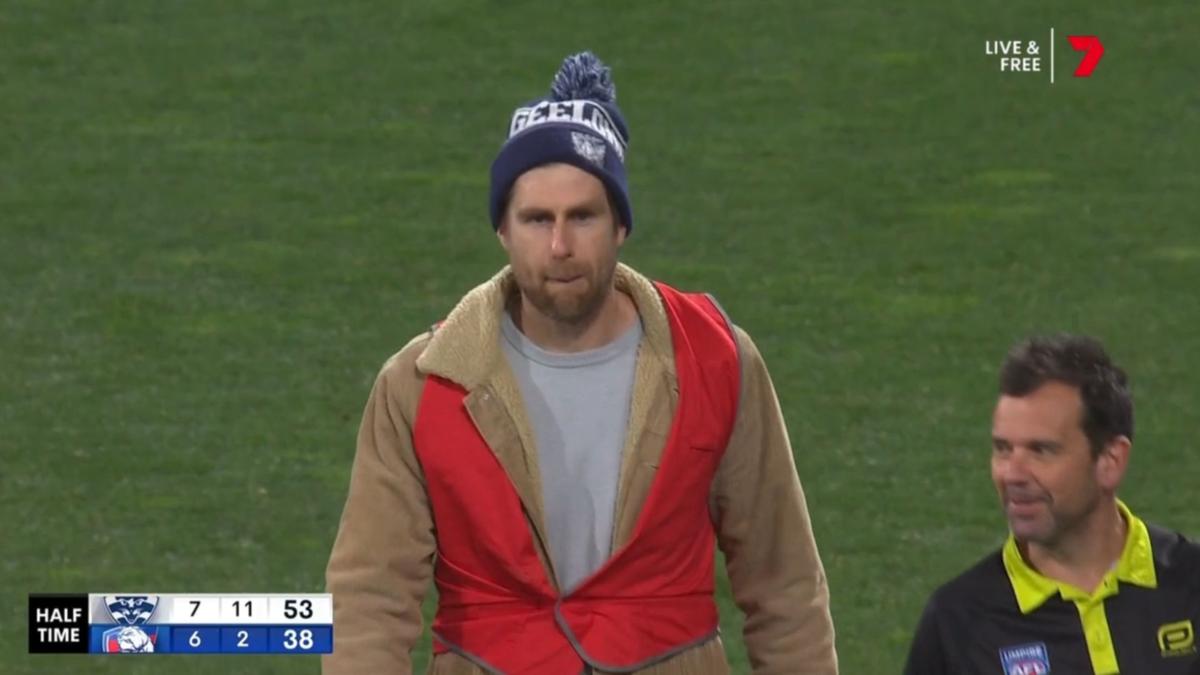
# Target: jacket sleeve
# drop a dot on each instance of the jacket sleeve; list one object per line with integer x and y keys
{"x": 763, "y": 528}
{"x": 382, "y": 561}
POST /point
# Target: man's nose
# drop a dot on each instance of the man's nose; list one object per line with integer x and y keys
{"x": 560, "y": 240}
{"x": 1014, "y": 468}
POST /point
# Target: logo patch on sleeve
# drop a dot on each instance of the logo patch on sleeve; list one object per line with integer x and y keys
{"x": 1030, "y": 659}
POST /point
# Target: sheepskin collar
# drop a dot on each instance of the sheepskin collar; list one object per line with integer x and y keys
{"x": 465, "y": 348}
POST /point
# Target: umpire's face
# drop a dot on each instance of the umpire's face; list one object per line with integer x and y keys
{"x": 1050, "y": 482}
{"x": 562, "y": 239}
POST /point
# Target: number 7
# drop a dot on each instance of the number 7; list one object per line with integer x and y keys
{"x": 1092, "y": 48}
{"x": 195, "y": 606}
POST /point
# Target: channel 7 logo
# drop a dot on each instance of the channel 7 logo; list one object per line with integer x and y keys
{"x": 1092, "y": 50}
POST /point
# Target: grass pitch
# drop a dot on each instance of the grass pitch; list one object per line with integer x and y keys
{"x": 218, "y": 219}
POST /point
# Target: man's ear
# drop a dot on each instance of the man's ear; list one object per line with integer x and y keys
{"x": 1112, "y": 462}
{"x": 502, "y": 233}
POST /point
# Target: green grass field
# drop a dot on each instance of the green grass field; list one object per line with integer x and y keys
{"x": 218, "y": 219}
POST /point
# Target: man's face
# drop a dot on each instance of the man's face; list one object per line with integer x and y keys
{"x": 562, "y": 241}
{"x": 1042, "y": 464}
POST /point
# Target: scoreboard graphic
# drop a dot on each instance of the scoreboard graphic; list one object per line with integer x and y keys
{"x": 193, "y": 623}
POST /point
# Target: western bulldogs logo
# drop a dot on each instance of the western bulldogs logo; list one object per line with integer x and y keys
{"x": 129, "y": 640}
{"x": 1030, "y": 659}
{"x": 131, "y": 610}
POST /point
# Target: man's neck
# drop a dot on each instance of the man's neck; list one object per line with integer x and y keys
{"x": 616, "y": 315}
{"x": 1085, "y": 555}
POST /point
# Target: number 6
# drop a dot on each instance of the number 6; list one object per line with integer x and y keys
{"x": 194, "y": 640}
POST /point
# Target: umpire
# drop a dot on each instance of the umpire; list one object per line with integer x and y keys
{"x": 1082, "y": 585}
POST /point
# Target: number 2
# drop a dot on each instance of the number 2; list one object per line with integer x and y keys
{"x": 242, "y": 637}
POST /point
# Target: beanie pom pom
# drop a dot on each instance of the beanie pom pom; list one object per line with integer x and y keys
{"x": 583, "y": 76}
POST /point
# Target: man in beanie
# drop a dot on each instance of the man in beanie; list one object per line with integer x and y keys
{"x": 563, "y": 453}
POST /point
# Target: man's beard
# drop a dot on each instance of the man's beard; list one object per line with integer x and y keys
{"x": 567, "y": 304}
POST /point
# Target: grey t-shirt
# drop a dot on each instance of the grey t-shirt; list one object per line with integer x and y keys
{"x": 578, "y": 404}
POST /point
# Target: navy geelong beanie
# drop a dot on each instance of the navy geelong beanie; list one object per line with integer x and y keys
{"x": 578, "y": 124}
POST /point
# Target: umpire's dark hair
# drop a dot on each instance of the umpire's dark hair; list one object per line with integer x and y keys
{"x": 1079, "y": 361}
